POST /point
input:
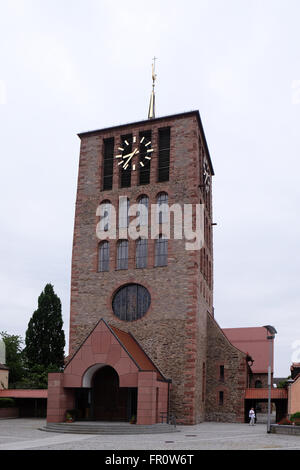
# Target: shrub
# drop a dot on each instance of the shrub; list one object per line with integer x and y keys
{"x": 7, "y": 403}
{"x": 295, "y": 416}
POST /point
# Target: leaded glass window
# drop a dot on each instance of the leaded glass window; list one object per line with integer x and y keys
{"x": 131, "y": 302}
{"x": 141, "y": 253}
{"x": 103, "y": 257}
{"x": 105, "y": 214}
{"x": 122, "y": 254}
{"x": 161, "y": 251}
{"x": 143, "y": 205}
{"x": 162, "y": 208}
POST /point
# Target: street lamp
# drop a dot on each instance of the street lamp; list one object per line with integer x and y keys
{"x": 271, "y": 335}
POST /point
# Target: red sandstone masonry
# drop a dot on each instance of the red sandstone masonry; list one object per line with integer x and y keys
{"x": 173, "y": 332}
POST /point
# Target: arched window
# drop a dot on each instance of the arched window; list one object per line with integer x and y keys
{"x": 124, "y": 212}
{"x": 161, "y": 251}
{"x": 143, "y": 205}
{"x": 122, "y": 254}
{"x": 162, "y": 208}
{"x": 141, "y": 253}
{"x": 131, "y": 302}
{"x": 105, "y": 215}
{"x": 103, "y": 257}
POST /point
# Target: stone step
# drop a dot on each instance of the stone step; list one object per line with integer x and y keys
{"x": 107, "y": 428}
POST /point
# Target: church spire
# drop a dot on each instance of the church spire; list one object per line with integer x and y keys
{"x": 151, "y": 113}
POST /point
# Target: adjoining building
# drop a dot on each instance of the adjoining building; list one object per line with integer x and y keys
{"x": 294, "y": 389}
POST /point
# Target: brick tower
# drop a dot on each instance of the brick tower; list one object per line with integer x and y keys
{"x": 154, "y": 289}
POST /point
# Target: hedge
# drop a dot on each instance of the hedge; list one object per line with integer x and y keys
{"x": 7, "y": 403}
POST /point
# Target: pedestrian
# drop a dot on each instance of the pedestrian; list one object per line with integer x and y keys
{"x": 252, "y": 417}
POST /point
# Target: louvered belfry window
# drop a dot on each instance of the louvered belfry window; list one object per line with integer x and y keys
{"x": 131, "y": 302}
{"x": 164, "y": 154}
{"x": 108, "y": 164}
{"x": 144, "y": 175}
{"x": 125, "y": 176}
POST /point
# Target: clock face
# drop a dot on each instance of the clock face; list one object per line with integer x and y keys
{"x": 134, "y": 154}
{"x": 206, "y": 176}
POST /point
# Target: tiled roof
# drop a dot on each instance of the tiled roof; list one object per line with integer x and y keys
{"x": 136, "y": 351}
{"x": 262, "y": 393}
{"x": 19, "y": 393}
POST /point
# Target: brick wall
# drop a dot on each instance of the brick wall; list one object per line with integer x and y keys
{"x": 220, "y": 352}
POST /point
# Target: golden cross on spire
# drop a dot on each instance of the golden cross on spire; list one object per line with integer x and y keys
{"x": 153, "y": 70}
{"x": 151, "y": 113}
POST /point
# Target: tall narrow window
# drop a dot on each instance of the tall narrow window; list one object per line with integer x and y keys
{"x": 103, "y": 257}
{"x": 164, "y": 155}
{"x": 145, "y": 158}
{"x": 143, "y": 205}
{"x": 161, "y": 251}
{"x": 141, "y": 253}
{"x": 123, "y": 212}
{"x": 108, "y": 164}
{"x": 125, "y": 177}
{"x": 222, "y": 376}
{"x": 221, "y": 398}
{"x": 162, "y": 208}
{"x": 105, "y": 214}
{"x": 122, "y": 254}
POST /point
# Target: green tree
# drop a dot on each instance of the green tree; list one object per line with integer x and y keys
{"x": 45, "y": 338}
{"x": 14, "y": 357}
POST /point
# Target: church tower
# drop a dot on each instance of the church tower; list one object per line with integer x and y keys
{"x": 153, "y": 292}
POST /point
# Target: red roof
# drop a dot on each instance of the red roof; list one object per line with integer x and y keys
{"x": 263, "y": 393}
{"x": 254, "y": 342}
{"x": 24, "y": 393}
{"x": 136, "y": 351}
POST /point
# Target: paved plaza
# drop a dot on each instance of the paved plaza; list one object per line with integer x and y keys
{"x": 24, "y": 434}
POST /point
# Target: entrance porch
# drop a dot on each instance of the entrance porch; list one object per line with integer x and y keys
{"x": 109, "y": 378}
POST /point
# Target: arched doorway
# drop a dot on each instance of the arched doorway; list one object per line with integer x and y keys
{"x": 110, "y": 402}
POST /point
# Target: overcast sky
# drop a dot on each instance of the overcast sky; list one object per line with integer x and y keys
{"x": 71, "y": 65}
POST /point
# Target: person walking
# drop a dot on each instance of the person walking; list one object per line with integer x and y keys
{"x": 252, "y": 417}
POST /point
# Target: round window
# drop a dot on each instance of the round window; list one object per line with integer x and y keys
{"x": 131, "y": 302}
